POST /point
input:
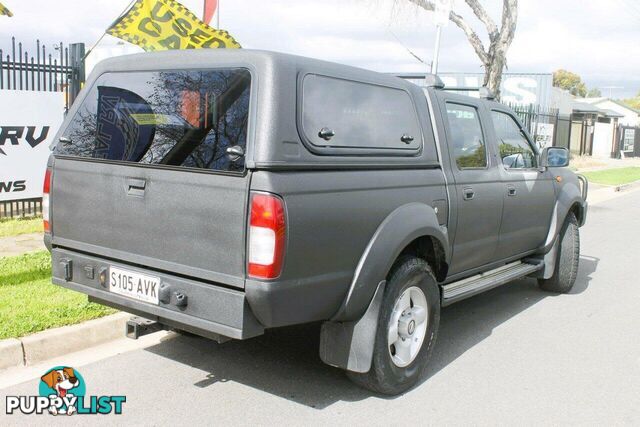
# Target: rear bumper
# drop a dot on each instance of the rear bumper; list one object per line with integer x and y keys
{"x": 211, "y": 310}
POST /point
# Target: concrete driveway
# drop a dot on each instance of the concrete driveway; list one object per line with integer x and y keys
{"x": 515, "y": 355}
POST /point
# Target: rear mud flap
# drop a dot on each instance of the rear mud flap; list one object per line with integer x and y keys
{"x": 349, "y": 345}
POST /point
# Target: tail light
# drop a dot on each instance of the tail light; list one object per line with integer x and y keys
{"x": 45, "y": 201}
{"x": 267, "y": 236}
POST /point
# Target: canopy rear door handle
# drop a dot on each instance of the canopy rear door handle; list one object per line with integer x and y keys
{"x": 468, "y": 193}
{"x": 511, "y": 190}
{"x": 136, "y": 187}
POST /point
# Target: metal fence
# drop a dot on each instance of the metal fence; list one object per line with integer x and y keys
{"x": 58, "y": 70}
{"x": 44, "y": 71}
{"x": 546, "y": 125}
{"x": 20, "y": 208}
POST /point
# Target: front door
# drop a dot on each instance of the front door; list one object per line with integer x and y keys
{"x": 477, "y": 186}
{"x": 528, "y": 192}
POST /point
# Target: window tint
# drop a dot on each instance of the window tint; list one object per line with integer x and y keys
{"x": 515, "y": 150}
{"x": 359, "y": 115}
{"x": 466, "y": 136}
{"x": 178, "y": 118}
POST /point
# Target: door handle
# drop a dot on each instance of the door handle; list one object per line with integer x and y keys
{"x": 468, "y": 193}
{"x": 136, "y": 187}
{"x": 511, "y": 190}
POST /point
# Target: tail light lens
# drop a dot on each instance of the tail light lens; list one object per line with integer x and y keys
{"x": 267, "y": 236}
{"x": 45, "y": 201}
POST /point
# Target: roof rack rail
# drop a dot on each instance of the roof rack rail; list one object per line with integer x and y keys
{"x": 430, "y": 80}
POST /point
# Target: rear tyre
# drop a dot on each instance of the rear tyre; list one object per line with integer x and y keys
{"x": 567, "y": 260}
{"x": 407, "y": 328}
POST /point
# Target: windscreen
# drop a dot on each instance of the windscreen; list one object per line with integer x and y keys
{"x": 173, "y": 118}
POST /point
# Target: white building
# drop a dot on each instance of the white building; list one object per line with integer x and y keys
{"x": 630, "y": 116}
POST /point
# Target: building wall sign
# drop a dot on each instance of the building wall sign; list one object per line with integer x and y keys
{"x": 28, "y": 122}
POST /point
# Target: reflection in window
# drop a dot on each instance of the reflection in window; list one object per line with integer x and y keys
{"x": 515, "y": 150}
{"x": 466, "y": 136}
{"x": 177, "y": 118}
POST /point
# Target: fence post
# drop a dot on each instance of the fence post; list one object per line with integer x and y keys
{"x": 76, "y": 59}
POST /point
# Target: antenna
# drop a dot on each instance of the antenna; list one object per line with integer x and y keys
{"x": 611, "y": 88}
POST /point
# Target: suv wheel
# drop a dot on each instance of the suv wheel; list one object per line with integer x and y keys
{"x": 567, "y": 260}
{"x": 407, "y": 328}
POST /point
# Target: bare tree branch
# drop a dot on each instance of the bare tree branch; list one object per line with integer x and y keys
{"x": 475, "y": 41}
{"x": 484, "y": 17}
{"x": 509, "y": 21}
{"x": 494, "y": 58}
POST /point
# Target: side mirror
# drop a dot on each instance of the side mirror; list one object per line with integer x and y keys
{"x": 554, "y": 157}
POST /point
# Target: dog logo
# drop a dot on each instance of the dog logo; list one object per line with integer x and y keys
{"x": 63, "y": 391}
{"x": 61, "y": 381}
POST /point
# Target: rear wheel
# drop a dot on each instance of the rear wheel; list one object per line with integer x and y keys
{"x": 567, "y": 259}
{"x": 407, "y": 328}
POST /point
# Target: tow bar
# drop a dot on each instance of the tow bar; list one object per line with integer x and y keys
{"x": 139, "y": 326}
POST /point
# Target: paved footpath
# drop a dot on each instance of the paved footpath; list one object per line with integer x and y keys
{"x": 513, "y": 356}
{"x": 17, "y": 245}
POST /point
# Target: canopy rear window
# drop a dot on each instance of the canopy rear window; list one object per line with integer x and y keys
{"x": 174, "y": 118}
{"x": 358, "y": 117}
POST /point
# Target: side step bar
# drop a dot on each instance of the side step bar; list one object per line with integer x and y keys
{"x": 465, "y": 288}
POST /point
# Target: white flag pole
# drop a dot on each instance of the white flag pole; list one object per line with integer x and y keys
{"x": 436, "y": 51}
{"x": 218, "y": 16}
{"x": 441, "y": 19}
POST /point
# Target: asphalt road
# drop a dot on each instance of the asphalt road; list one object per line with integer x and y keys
{"x": 514, "y": 355}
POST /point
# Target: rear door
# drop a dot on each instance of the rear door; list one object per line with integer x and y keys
{"x": 477, "y": 184}
{"x": 528, "y": 192}
{"x": 141, "y": 173}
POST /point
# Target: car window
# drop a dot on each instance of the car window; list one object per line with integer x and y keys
{"x": 174, "y": 118}
{"x": 340, "y": 113}
{"x": 467, "y": 141}
{"x": 515, "y": 150}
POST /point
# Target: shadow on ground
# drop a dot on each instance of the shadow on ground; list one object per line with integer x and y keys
{"x": 285, "y": 362}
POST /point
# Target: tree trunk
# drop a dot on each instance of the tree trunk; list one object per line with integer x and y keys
{"x": 495, "y": 59}
{"x": 494, "y": 67}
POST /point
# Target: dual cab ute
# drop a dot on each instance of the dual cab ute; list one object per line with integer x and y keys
{"x": 226, "y": 192}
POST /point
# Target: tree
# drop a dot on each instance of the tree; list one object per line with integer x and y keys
{"x": 594, "y": 93}
{"x": 569, "y": 81}
{"x": 633, "y": 102}
{"x": 493, "y": 58}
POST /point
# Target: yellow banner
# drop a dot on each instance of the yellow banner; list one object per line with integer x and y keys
{"x": 166, "y": 24}
{"x": 5, "y": 11}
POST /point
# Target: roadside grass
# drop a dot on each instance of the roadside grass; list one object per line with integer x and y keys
{"x": 30, "y": 303}
{"x": 15, "y": 227}
{"x": 584, "y": 162}
{"x": 615, "y": 176}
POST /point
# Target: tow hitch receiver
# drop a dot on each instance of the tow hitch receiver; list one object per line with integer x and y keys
{"x": 139, "y": 326}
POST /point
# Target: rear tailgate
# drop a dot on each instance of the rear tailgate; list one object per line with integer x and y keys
{"x": 142, "y": 175}
{"x": 182, "y": 222}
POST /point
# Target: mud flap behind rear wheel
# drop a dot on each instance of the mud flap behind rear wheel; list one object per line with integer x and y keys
{"x": 349, "y": 345}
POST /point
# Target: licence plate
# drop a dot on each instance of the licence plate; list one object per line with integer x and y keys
{"x": 134, "y": 285}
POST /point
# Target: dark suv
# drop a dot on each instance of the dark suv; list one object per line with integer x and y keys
{"x": 225, "y": 192}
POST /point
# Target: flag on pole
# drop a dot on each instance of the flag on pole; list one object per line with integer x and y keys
{"x": 167, "y": 24}
{"x": 5, "y": 11}
{"x": 210, "y": 7}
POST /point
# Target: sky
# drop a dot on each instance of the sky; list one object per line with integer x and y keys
{"x": 599, "y": 40}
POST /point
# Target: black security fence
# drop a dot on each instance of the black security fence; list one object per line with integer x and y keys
{"x": 547, "y": 126}
{"x": 58, "y": 68}
{"x": 20, "y": 208}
